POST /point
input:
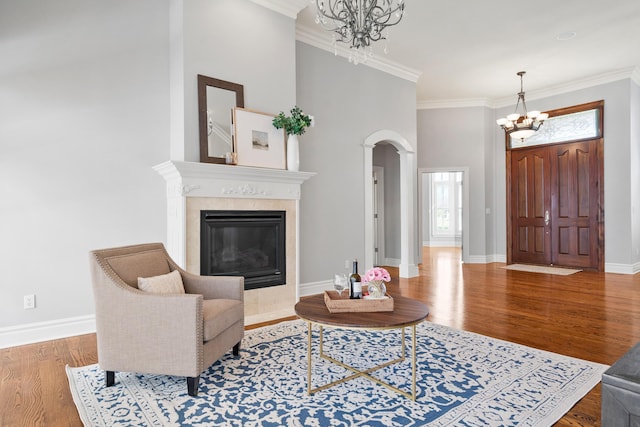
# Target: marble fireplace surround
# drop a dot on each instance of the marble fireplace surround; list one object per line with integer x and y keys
{"x": 192, "y": 187}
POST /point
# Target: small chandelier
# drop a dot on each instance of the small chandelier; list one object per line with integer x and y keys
{"x": 522, "y": 126}
{"x": 359, "y": 22}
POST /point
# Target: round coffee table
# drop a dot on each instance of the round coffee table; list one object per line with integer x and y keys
{"x": 406, "y": 313}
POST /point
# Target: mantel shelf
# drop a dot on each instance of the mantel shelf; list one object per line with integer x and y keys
{"x": 172, "y": 168}
{"x": 192, "y": 179}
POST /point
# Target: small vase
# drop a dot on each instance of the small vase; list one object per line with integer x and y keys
{"x": 377, "y": 289}
{"x": 293, "y": 156}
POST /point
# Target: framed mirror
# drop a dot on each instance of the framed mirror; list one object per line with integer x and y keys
{"x": 216, "y": 99}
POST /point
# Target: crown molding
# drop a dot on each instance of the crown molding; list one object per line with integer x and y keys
{"x": 322, "y": 41}
{"x": 289, "y": 8}
{"x": 632, "y": 73}
{"x": 454, "y": 103}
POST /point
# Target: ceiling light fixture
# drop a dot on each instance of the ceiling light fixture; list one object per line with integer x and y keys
{"x": 359, "y": 22}
{"x": 522, "y": 126}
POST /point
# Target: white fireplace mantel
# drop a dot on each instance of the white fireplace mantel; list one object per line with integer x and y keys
{"x": 192, "y": 179}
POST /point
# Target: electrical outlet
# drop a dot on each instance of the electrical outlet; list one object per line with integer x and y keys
{"x": 29, "y": 302}
{"x": 347, "y": 263}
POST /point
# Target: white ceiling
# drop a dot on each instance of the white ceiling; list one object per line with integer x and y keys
{"x": 471, "y": 50}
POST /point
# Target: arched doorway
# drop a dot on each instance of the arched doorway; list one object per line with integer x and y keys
{"x": 408, "y": 224}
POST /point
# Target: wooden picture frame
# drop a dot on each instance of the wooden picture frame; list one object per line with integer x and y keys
{"x": 257, "y": 142}
{"x": 216, "y": 100}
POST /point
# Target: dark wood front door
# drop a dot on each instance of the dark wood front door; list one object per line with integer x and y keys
{"x": 556, "y": 205}
{"x": 575, "y": 204}
{"x": 531, "y": 205}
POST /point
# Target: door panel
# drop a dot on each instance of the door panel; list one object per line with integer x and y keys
{"x": 574, "y": 221}
{"x": 530, "y": 200}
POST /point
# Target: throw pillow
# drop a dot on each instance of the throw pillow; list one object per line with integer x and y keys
{"x": 170, "y": 283}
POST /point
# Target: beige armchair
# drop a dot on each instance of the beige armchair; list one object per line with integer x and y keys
{"x": 162, "y": 333}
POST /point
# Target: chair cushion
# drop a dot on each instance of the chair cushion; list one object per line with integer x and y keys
{"x": 219, "y": 314}
{"x": 170, "y": 283}
{"x": 140, "y": 264}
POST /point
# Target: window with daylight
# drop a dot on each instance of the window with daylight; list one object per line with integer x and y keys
{"x": 446, "y": 193}
{"x": 571, "y": 124}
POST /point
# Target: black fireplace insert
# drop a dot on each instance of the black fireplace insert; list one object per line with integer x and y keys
{"x": 244, "y": 243}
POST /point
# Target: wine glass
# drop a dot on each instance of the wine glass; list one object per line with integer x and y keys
{"x": 340, "y": 282}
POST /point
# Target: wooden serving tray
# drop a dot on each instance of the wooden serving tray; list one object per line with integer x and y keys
{"x": 337, "y": 304}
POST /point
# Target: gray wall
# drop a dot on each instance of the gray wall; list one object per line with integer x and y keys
{"x": 349, "y": 103}
{"x": 233, "y": 40}
{"x": 456, "y": 137}
{"x": 490, "y": 189}
{"x": 469, "y": 137}
{"x": 84, "y": 114}
{"x": 86, "y": 102}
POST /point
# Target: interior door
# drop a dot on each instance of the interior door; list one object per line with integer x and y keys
{"x": 530, "y": 206}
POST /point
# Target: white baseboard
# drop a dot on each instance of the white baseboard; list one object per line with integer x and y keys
{"x": 408, "y": 270}
{"x": 442, "y": 244}
{"x": 486, "y": 259}
{"x": 31, "y": 333}
{"x": 496, "y": 258}
{"x": 610, "y": 267}
{"x": 391, "y": 262}
{"x": 478, "y": 259}
{"x": 314, "y": 288}
{"x": 44, "y": 331}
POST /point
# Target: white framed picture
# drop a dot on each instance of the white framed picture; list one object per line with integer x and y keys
{"x": 257, "y": 142}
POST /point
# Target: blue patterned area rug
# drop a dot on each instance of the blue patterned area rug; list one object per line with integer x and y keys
{"x": 463, "y": 379}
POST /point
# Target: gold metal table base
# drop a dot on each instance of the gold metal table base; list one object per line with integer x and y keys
{"x": 363, "y": 373}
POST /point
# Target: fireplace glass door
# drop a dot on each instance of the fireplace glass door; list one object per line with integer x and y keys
{"x": 244, "y": 243}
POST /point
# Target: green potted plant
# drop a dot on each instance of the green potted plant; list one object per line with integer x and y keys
{"x": 293, "y": 125}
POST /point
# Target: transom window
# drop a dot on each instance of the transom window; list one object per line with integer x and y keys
{"x": 578, "y": 123}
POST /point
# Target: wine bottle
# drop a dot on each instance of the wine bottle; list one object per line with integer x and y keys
{"x": 355, "y": 283}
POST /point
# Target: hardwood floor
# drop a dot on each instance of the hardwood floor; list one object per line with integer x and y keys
{"x": 593, "y": 316}
{"x": 588, "y": 315}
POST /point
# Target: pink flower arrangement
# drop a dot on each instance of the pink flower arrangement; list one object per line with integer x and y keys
{"x": 376, "y": 273}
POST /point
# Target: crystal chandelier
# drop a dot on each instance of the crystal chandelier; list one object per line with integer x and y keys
{"x": 359, "y": 22}
{"x": 522, "y": 126}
